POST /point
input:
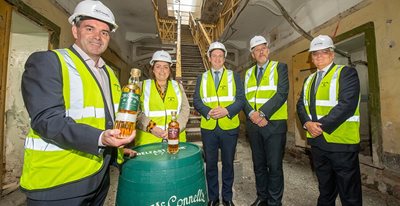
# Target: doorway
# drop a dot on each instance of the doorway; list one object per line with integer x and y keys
{"x": 359, "y": 45}
{"x": 25, "y": 38}
{"x": 23, "y": 31}
{"x": 357, "y": 57}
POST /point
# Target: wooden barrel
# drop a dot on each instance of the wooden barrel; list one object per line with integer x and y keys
{"x": 156, "y": 178}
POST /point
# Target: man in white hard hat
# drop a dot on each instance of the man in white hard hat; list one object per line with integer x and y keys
{"x": 328, "y": 110}
{"x": 266, "y": 87}
{"x": 219, "y": 97}
{"x": 70, "y": 95}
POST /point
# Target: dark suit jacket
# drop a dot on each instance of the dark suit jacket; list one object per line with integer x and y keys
{"x": 349, "y": 91}
{"x": 272, "y": 105}
{"x": 42, "y": 91}
{"x": 233, "y": 109}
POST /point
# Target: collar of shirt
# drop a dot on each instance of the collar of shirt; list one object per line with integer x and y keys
{"x": 263, "y": 66}
{"x": 89, "y": 61}
{"x": 221, "y": 70}
{"x": 325, "y": 69}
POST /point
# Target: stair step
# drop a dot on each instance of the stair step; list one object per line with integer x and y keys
{"x": 194, "y": 117}
{"x": 194, "y": 129}
{"x": 191, "y": 73}
{"x": 189, "y": 89}
{"x": 189, "y": 78}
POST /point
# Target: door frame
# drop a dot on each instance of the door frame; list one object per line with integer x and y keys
{"x": 53, "y": 29}
{"x": 54, "y": 39}
{"x": 374, "y": 104}
{"x": 5, "y": 25}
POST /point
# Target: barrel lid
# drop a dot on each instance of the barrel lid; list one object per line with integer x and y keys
{"x": 156, "y": 153}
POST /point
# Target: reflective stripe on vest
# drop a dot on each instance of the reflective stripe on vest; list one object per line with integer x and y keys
{"x": 326, "y": 98}
{"x": 211, "y": 99}
{"x": 223, "y": 96}
{"x": 257, "y": 95}
{"x": 48, "y": 165}
{"x": 146, "y": 99}
{"x": 159, "y": 110}
{"x": 39, "y": 144}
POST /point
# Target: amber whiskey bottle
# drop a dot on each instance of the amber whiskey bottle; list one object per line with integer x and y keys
{"x": 125, "y": 119}
{"x": 173, "y": 134}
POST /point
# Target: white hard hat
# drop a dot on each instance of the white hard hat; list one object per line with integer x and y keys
{"x": 216, "y": 45}
{"x": 161, "y": 56}
{"x": 94, "y": 9}
{"x": 257, "y": 40}
{"x": 321, "y": 42}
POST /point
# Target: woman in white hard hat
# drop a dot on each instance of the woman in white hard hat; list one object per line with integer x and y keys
{"x": 160, "y": 96}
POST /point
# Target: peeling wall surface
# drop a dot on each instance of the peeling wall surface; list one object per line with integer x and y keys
{"x": 17, "y": 119}
{"x": 385, "y": 16}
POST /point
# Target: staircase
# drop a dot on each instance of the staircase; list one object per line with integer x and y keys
{"x": 192, "y": 67}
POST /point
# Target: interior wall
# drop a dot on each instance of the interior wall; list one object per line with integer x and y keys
{"x": 384, "y": 15}
{"x": 17, "y": 119}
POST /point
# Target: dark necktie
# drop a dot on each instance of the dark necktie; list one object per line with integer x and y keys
{"x": 319, "y": 78}
{"x": 216, "y": 78}
{"x": 259, "y": 75}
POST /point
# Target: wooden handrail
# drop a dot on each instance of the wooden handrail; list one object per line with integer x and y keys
{"x": 205, "y": 34}
{"x": 178, "y": 69}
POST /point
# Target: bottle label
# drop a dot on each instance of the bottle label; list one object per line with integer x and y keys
{"x": 129, "y": 101}
{"x": 173, "y": 141}
{"x": 125, "y": 117}
{"x": 173, "y": 133}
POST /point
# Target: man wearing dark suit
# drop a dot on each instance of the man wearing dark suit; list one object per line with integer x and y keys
{"x": 328, "y": 111}
{"x": 70, "y": 95}
{"x": 266, "y": 88}
{"x": 219, "y": 97}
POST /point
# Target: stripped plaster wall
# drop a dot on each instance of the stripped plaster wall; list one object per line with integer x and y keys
{"x": 17, "y": 119}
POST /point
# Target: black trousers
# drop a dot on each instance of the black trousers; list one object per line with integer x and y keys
{"x": 267, "y": 153}
{"x": 96, "y": 198}
{"x": 213, "y": 140}
{"x": 337, "y": 173}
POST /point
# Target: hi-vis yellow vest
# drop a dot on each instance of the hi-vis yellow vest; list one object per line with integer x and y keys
{"x": 222, "y": 96}
{"x": 159, "y": 110}
{"x": 47, "y": 165}
{"x": 258, "y": 95}
{"x": 326, "y": 98}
